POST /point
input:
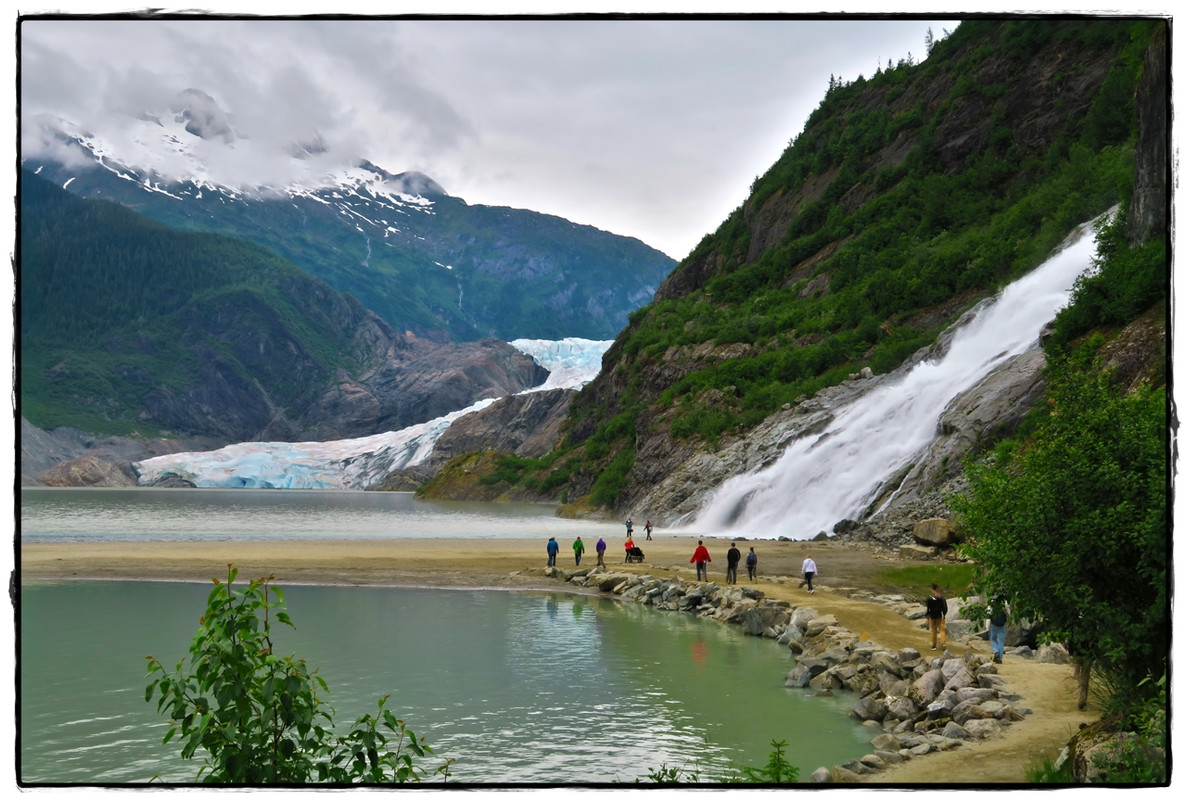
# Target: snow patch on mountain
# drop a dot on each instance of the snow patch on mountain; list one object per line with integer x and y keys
{"x": 176, "y": 154}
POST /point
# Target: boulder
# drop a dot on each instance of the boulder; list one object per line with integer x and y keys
{"x": 934, "y": 532}
{"x": 870, "y": 707}
{"x": 759, "y": 618}
{"x": 916, "y": 552}
{"x": 927, "y": 687}
{"x": 816, "y": 625}
{"x": 821, "y": 775}
{"x": 901, "y": 708}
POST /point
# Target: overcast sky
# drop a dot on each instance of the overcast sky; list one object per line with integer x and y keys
{"x": 647, "y": 128}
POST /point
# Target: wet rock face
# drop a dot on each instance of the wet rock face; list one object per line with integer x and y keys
{"x": 1147, "y": 220}
{"x": 91, "y": 470}
{"x": 527, "y": 425}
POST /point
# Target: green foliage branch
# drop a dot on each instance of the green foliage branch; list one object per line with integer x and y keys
{"x": 258, "y": 717}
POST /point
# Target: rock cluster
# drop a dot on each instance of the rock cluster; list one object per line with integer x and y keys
{"x": 914, "y": 704}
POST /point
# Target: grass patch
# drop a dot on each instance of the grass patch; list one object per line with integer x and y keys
{"x": 1045, "y": 771}
{"x": 916, "y": 580}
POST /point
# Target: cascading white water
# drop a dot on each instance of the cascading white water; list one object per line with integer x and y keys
{"x": 833, "y": 475}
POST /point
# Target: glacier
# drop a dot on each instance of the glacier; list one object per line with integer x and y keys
{"x": 361, "y": 462}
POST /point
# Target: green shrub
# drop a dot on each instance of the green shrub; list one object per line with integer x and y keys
{"x": 258, "y": 717}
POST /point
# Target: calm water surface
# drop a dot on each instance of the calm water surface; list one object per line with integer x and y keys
{"x": 518, "y": 687}
{"x": 57, "y": 514}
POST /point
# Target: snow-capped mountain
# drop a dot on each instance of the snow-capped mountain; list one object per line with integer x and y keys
{"x": 423, "y": 260}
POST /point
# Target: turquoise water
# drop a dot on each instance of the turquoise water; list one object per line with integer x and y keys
{"x": 518, "y": 688}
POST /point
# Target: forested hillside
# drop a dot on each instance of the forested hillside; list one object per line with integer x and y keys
{"x": 129, "y": 327}
{"x": 426, "y": 262}
{"x": 909, "y": 196}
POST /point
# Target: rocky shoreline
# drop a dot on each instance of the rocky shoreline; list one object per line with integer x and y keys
{"x": 914, "y": 704}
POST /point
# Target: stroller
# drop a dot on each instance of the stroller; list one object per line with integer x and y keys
{"x": 634, "y": 555}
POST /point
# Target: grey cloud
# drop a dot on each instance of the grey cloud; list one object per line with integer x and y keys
{"x": 634, "y": 126}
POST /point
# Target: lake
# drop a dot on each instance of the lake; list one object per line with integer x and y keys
{"x": 520, "y": 688}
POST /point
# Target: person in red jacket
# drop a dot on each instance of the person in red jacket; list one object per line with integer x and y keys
{"x": 700, "y": 557}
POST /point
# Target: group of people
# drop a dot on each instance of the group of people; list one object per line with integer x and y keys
{"x": 937, "y": 605}
{"x": 553, "y": 548}
{"x": 630, "y": 530}
{"x": 937, "y": 614}
{"x": 701, "y": 558}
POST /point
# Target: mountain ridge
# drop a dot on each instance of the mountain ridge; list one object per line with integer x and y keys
{"x": 128, "y": 325}
{"x": 425, "y": 261}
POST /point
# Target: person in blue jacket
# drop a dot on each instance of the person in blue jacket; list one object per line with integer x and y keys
{"x": 553, "y": 549}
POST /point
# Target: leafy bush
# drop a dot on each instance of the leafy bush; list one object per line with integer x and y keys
{"x": 258, "y": 716}
{"x": 1124, "y": 283}
{"x": 1081, "y": 502}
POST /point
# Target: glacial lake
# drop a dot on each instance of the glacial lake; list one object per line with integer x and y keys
{"x": 519, "y": 688}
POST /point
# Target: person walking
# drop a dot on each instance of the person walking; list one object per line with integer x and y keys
{"x": 937, "y": 612}
{"x": 600, "y": 547}
{"x": 808, "y": 570}
{"x": 732, "y": 557}
{"x": 553, "y": 549}
{"x": 701, "y": 558}
{"x": 751, "y": 564}
{"x": 578, "y": 549}
{"x": 999, "y": 613}
{"x": 647, "y": 528}
{"x": 630, "y": 527}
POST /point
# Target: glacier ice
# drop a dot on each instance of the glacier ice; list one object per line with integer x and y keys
{"x": 358, "y": 463}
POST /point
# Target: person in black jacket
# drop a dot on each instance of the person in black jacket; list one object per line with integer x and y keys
{"x": 937, "y": 611}
{"x": 732, "y": 557}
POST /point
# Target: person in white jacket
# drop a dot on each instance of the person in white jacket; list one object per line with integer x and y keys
{"x": 809, "y": 572}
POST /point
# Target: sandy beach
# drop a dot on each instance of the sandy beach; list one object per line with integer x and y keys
{"x": 518, "y": 564}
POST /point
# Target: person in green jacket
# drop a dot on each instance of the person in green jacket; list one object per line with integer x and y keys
{"x": 578, "y": 549}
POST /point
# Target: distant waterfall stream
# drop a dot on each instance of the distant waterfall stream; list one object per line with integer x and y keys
{"x": 825, "y": 477}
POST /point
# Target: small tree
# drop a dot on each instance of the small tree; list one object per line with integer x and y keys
{"x": 1071, "y": 523}
{"x": 258, "y": 716}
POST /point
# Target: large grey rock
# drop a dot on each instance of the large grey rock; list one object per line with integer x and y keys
{"x": 758, "y": 619}
{"x": 927, "y": 687}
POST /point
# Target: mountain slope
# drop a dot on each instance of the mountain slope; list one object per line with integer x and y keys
{"x": 130, "y": 327}
{"x": 907, "y": 198}
{"x": 423, "y": 260}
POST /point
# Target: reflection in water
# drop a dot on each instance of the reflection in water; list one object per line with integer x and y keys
{"x": 518, "y": 688}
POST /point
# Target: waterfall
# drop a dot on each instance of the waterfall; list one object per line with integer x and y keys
{"x": 835, "y": 474}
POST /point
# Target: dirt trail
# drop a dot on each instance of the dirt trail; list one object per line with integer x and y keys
{"x": 1046, "y": 688}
